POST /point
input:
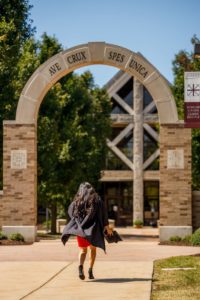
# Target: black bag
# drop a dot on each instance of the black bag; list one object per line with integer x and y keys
{"x": 114, "y": 238}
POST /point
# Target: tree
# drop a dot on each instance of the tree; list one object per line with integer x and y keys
{"x": 185, "y": 61}
{"x": 15, "y": 30}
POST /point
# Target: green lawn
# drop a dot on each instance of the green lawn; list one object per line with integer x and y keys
{"x": 176, "y": 284}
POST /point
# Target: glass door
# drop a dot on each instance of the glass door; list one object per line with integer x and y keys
{"x": 119, "y": 201}
{"x": 151, "y": 203}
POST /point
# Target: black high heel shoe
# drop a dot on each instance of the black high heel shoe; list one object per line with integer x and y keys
{"x": 90, "y": 273}
{"x": 81, "y": 274}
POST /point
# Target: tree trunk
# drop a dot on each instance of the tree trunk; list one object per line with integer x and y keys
{"x": 53, "y": 217}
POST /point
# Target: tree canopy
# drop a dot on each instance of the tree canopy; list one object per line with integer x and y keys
{"x": 185, "y": 61}
{"x": 15, "y": 29}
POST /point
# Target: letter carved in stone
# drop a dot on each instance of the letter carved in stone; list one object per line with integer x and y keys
{"x": 116, "y": 56}
{"x": 134, "y": 64}
{"x": 77, "y": 57}
{"x": 54, "y": 68}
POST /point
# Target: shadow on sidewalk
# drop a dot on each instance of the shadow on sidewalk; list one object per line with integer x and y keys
{"x": 120, "y": 280}
{"x": 139, "y": 237}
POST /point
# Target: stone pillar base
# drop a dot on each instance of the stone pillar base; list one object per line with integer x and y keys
{"x": 28, "y": 232}
{"x": 165, "y": 232}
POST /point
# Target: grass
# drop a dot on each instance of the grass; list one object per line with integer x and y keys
{"x": 177, "y": 284}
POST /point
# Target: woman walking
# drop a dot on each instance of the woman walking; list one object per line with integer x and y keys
{"x": 88, "y": 221}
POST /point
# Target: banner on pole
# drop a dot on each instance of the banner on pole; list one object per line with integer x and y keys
{"x": 192, "y": 99}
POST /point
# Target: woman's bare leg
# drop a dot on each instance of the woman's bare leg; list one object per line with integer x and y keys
{"x": 92, "y": 260}
{"x": 82, "y": 257}
{"x": 93, "y": 252}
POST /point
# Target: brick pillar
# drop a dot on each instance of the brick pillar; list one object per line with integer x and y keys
{"x": 175, "y": 181}
{"x": 19, "y": 205}
{"x": 138, "y": 201}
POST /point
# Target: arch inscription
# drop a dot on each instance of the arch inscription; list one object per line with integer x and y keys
{"x": 89, "y": 54}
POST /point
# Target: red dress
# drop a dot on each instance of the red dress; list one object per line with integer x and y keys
{"x": 82, "y": 242}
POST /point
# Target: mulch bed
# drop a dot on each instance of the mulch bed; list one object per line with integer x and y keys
{"x": 13, "y": 243}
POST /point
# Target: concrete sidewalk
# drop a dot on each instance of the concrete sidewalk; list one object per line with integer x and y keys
{"x": 59, "y": 281}
{"x": 48, "y": 270}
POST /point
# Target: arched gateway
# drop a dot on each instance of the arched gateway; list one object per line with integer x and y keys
{"x": 18, "y": 207}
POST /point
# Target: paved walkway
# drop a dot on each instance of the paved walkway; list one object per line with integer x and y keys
{"x": 59, "y": 281}
{"x": 48, "y": 270}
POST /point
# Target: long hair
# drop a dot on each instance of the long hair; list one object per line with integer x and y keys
{"x": 85, "y": 201}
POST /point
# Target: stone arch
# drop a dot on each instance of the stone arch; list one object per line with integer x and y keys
{"x": 18, "y": 204}
{"x": 89, "y": 54}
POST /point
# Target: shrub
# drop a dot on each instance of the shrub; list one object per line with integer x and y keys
{"x": 175, "y": 238}
{"x": 187, "y": 239}
{"x": 195, "y": 239}
{"x": 47, "y": 224}
{"x": 138, "y": 222}
{"x": 3, "y": 236}
{"x": 16, "y": 237}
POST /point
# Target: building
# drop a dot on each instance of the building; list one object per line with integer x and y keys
{"x": 131, "y": 134}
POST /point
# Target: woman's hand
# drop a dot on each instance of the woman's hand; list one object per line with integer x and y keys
{"x": 108, "y": 230}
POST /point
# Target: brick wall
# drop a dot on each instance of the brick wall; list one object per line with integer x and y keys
{"x": 175, "y": 183}
{"x": 18, "y": 206}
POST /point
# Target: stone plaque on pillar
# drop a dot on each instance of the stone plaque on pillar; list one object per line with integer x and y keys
{"x": 175, "y": 159}
{"x": 18, "y": 159}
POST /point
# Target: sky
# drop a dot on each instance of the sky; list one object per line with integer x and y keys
{"x": 158, "y": 29}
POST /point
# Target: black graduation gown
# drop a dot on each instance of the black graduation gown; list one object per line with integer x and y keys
{"x": 91, "y": 227}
